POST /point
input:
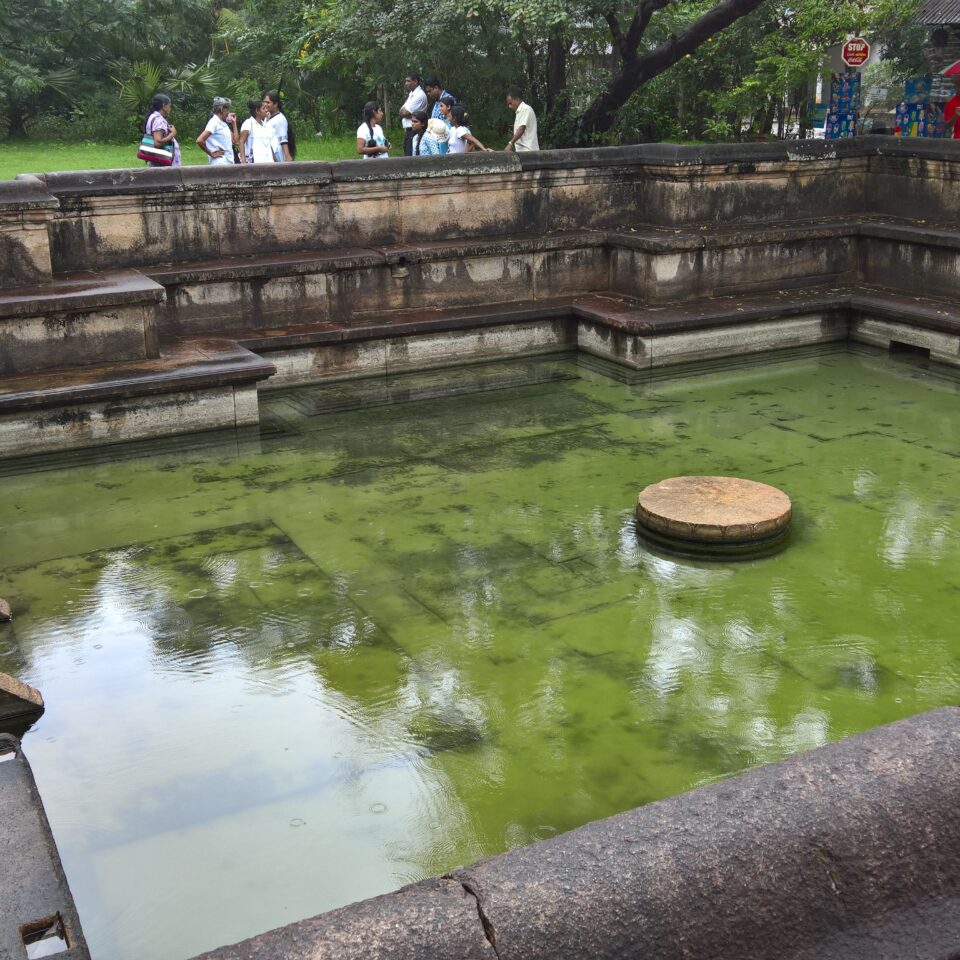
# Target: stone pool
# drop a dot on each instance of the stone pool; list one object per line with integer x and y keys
{"x": 408, "y": 623}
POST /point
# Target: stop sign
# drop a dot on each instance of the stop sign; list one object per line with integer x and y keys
{"x": 856, "y": 52}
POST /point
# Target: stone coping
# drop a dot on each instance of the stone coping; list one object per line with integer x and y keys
{"x": 80, "y": 292}
{"x": 26, "y": 192}
{"x": 847, "y": 851}
{"x": 195, "y": 365}
{"x": 37, "y": 189}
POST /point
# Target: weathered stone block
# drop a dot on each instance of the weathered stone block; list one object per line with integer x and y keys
{"x": 18, "y": 698}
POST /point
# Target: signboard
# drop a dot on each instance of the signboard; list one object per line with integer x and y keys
{"x": 855, "y": 52}
{"x": 843, "y": 117}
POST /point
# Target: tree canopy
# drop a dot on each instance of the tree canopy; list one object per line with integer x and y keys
{"x": 597, "y": 70}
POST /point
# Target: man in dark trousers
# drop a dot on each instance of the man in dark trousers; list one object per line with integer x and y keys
{"x": 416, "y": 100}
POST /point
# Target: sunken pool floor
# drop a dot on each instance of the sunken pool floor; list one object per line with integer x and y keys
{"x": 409, "y": 623}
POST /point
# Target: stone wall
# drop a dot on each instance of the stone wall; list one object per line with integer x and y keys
{"x": 646, "y": 255}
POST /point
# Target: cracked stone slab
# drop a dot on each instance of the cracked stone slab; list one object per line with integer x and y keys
{"x": 848, "y": 851}
{"x": 431, "y": 920}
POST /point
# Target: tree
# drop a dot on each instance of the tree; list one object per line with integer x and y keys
{"x": 639, "y": 66}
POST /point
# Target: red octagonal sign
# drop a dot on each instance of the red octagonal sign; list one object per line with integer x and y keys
{"x": 856, "y": 52}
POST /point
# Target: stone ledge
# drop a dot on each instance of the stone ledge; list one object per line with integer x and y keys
{"x": 80, "y": 293}
{"x": 618, "y": 312}
{"x": 414, "y": 168}
{"x": 29, "y": 188}
{"x": 265, "y": 266}
{"x": 800, "y": 859}
{"x": 430, "y": 920}
{"x": 33, "y": 886}
{"x": 198, "y": 365}
{"x": 26, "y": 192}
{"x": 848, "y": 851}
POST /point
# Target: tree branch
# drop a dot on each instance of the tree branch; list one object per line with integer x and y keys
{"x": 619, "y": 40}
{"x": 641, "y": 20}
{"x": 636, "y": 71}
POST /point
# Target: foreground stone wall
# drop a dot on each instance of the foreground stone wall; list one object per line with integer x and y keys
{"x": 849, "y": 851}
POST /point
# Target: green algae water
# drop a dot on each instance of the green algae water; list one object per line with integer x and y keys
{"x": 409, "y": 623}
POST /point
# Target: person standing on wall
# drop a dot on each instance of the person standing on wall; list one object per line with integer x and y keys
{"x": 280, "y": 128}
{"x": 220, "y": 133}
{"x": 524, "y": 125}
{"x": 416, "y": 100}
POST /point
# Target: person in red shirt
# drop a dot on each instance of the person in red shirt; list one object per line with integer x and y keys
{"x": 951, "y": 111}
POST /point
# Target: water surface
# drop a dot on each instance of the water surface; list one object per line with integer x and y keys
{"x": 380, "y": 640}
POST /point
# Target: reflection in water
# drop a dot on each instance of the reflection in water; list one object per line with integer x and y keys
{"x": 389, "y": 641}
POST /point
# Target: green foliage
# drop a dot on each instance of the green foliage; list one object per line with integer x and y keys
{"x": 793, "y": 46}
{"x": 92, "y": 66}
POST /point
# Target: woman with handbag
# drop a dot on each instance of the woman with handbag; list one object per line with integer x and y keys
{"x": 159, "y": 145}
{"x": 371, "y": 141}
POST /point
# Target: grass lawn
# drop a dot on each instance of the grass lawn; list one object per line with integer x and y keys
{"x": 33, "y": 156}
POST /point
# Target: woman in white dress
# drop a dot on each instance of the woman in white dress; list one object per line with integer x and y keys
{"x": 220, "y": 133}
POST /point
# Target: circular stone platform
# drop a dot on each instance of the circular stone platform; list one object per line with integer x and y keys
{"x": 714, "y": 515}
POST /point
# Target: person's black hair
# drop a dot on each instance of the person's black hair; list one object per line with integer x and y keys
{"x": 459, "y": 114}
{"x": 370, "y": 109}
{"x": 274, "y": 95}
{"x": 253, "y": 106}
{"x": 413, "y": 75}
{"x": 159, "y": 101}
{"x": 449, "y": 99}
{"x": 515, "y": 93}
{"x": 423, "y": 118}
{"x": 433, "y": 82}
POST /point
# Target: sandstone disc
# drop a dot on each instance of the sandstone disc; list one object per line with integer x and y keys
{"x": 714, "y": 511}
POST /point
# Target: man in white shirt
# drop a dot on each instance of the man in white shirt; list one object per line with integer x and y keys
{"x": 416, "y": 100}
{"x": 524, "y": 126}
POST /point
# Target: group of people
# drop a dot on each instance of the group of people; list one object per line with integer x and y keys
{"x": 266, "y": 136}
{"x": 434, "y": 123}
